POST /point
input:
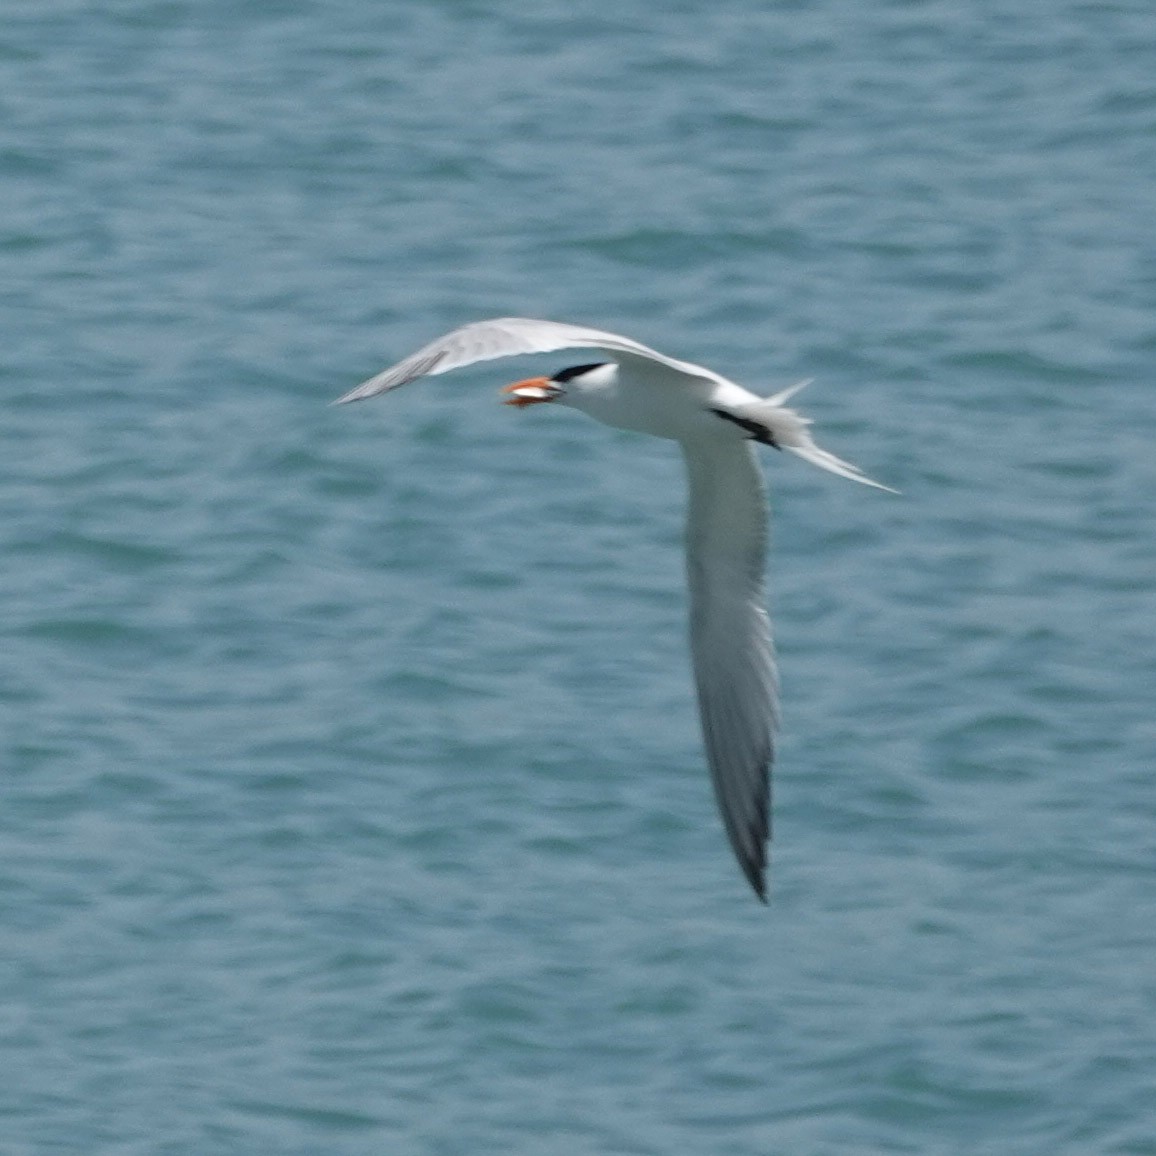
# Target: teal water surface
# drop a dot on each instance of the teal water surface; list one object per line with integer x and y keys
{"x": 351, "y": 794}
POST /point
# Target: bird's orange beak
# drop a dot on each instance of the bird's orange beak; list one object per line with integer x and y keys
{"x": 532, "y": 391}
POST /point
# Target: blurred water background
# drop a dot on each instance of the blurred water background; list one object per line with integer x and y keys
{"x": 351, "y": 794}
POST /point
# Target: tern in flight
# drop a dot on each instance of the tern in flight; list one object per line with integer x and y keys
{"x": 717, "y": 424}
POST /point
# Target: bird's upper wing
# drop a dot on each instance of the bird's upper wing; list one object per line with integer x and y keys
{"x": 730, "y": 634}
{"x": 507, "y": 337}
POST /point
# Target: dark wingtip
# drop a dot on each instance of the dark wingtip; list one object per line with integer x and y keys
{"x": 756, "y": 873}
{"x": 760, "y": 886}
{"x": 764, "y": 862}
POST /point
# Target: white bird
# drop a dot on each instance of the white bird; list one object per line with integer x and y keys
{"x": 717, "y": 423}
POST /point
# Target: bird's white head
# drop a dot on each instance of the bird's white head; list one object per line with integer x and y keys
{"x": 575, "y": 379}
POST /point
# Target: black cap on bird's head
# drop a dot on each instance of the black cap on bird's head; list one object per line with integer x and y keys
{"x": 577, "y": 371}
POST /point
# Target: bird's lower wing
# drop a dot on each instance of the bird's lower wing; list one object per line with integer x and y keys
{"x": 730, "y": 636}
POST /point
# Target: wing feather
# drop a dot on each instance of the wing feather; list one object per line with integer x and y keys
{"x": 730, "y": 636}
{"x": 509, "y": 337}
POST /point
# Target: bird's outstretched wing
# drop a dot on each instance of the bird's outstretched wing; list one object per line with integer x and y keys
{"x": 508, "y": 337}
{"x": 730, "y": 639}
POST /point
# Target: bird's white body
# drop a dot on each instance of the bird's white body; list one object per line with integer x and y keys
{"x": 717, "y": 423}
{"x": 631, "y": 397}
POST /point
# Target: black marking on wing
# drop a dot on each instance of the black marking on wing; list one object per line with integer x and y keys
{"x": 576, "y": 371}
{"x": 759, "y": 432}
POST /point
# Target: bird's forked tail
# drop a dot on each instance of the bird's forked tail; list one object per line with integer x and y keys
{"x": 788, "y": 430}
